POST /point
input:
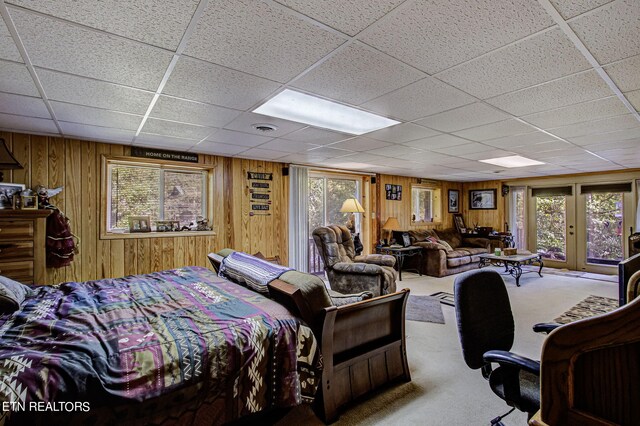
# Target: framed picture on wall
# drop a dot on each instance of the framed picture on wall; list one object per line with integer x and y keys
{"x": 482, "y": 199}
{"x": 458, "y": 221}
{"x": 454, "y": 201}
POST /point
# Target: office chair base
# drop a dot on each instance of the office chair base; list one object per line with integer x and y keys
{"x": 498, "y": 420}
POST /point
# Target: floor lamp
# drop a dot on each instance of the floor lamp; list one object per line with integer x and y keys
{"x": 353, "y": 206}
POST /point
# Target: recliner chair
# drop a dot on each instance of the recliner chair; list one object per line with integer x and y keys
{"x": 348, "y": 273}
{"x": 486, "y": 329}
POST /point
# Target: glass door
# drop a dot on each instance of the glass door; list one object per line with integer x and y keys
{"x": 517, "y": 216}
{"x": 552, "y": 233}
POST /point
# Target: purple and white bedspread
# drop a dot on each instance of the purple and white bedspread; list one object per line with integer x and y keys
{"x": 180, "y": 346}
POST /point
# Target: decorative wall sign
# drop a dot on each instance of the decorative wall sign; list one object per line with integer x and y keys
{"x": 260, "y": 185}
{"x": 260, "y": 196}
{"x": 260, "y": 207}
{"x": 394, "y": 192}
{"x": 161, "y": 154}
{"x": 259, "y": 176}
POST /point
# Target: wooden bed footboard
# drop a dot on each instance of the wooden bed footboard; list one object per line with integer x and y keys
{"x": 363, "y": 345}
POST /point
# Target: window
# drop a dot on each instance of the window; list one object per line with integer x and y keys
{"x": 161, "y": 191}
{"x": 425, "y": 204}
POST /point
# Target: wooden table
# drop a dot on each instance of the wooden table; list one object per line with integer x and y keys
{"x": 400, "y": 253}
{"x": 512, "y": 264}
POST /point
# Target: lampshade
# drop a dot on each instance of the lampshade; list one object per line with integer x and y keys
{"x": 351, "y": 205}
{"x": 7, "y": 160}
{"x": 391, "y": 224}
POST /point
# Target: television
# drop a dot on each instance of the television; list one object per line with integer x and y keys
{"x": 626, "y": 268}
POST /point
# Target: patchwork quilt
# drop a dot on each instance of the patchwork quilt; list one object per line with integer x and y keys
{"x": 180, "y": 346}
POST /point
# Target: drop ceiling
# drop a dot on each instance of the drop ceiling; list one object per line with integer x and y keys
{"x": 553, "y": 80}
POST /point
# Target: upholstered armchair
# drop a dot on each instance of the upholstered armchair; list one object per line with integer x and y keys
{"x": 348, "y": 273}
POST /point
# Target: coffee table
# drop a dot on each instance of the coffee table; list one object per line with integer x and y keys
{"x": 512, "y": 264}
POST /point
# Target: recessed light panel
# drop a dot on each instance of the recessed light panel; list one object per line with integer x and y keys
{"x": 512, "y": 161}
{"x": 311, "y": 110}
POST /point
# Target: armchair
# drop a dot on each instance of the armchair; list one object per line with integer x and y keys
{"x": 486, "y": 330}
{"x": 348, "y": 273}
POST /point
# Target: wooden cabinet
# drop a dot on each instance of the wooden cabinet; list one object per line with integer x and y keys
{"x": 22, "y": 241}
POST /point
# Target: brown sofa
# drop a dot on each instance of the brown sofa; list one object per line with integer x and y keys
{"x": 440, "y": 260}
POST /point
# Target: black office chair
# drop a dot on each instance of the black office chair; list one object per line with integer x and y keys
{"x": 486, "y": 330}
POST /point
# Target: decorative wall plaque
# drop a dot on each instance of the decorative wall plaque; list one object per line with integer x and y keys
{"x": 259, "y": 176}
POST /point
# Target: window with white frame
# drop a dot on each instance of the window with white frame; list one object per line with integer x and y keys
{"x": 164, "y": 192}
{"x": 425, "y": 204}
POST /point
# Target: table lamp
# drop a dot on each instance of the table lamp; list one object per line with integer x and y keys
{"x": 353, "y": 206}
{"x": 7, "y": 160}
{"x": 390, "y": 225}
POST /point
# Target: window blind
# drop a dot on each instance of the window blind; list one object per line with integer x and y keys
{"x": 606, "y": 187}
{"x": 551, "y": 191}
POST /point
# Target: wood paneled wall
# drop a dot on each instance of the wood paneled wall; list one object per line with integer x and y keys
{"x": 494, "y": 218}
{"x": 76, "y": 164}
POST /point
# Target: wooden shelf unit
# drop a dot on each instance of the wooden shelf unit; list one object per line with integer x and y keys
{"x": 22, "y": 245}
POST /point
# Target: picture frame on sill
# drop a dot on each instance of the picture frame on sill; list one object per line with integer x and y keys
{"x": 454, "y": 201}
{"x": 164, "y": 226}
{"x": 7, "y": 193}
{"x": 139, "y": 224}
{"x": 458, "y": 221}
{"x": 29, "y": 202}
{"x": 482, "y": 199}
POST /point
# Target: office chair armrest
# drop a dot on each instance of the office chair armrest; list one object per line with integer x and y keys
{"x": 509, "y": 358}
{"x": 545, "y": 327}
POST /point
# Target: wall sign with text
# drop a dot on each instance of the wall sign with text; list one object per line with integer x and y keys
{"x": 161, "y": 154}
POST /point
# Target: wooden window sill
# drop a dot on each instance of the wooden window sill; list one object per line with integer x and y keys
{"x": 127, "y": 235}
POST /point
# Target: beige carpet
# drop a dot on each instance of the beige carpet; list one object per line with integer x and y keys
{"x": 444, "y": 391}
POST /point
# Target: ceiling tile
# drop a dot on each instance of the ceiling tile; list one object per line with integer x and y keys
{"x": 179, "y": 130}
{"x": 438, "y": 34}
{"x": 469, "y": 148}
{"x": 634, "y": 98}
{"x": 258, "y": 38}
{"x": 290, "y": 147}
{"x": 541, "y": 147}
{"x": 520, "y": 140}
{"x": 329, "y": 152}
{"x": 237, "y": 138}
{"x": 304, "y": 158}
{"x": 77, "y": 50}
{"x": 398, "y": 151}
{"x": 23, "y": 105}
{"x": 244, "y": 123}
{"x": 495, "y": 130}
{"x": 97, "y": 133}
{"x": 84, "y": 91}
{"x": 15, "y": 78}
{"x": 349, "y": 17}
{"x": 8, "y": 49}
{"x": 401, "y": 133}
{"x": 206, "y": 147}
{"x": 464, "y": 117}
{"x": 610, "y": 124}
{"x": 400, "y": 162}
{"x": 163, "y": 141}
{"x": 440, "y": 141}
{"x": 213, "y": 84}
{"x": 364, "y": 157}
{"x": 624, "y": 144}
{"x": 611, "y": 32}
{"x": 531, "y": 61}
{"x": 625, "y": 73}
{"x": 317, "y": 136}
{"x": 30, "y": 124}
{"x": 586, "y": 111}
{"x": 261, "y": 154}
{"x": 360, "y": 144}
{"x": 357, "y": 74}
{"x": 140, "y": 20}
{"x": 489, "y": 153}
{"x": 605, "y": 138}
{"x": 570, "y": 8}
{"x": 566, "y": 91}
{"x": 420, "y": 99}
{"x": 192, "y": 112}
{"x": 95, "y": 117}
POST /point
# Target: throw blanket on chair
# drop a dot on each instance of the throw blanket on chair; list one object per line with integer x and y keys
{"x": 249, "y": 270}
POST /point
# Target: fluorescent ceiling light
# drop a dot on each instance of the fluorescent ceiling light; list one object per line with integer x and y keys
{"x": 307, "y": 109}
{"x": 512, "y": 161}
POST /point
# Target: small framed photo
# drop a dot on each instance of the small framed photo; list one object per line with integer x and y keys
{"x": 29, "y": 202}
{"x": 406, "y": 241}
{"x": 458, "y": 221}
{"x": 175, "y": 225}
{"x": 482, "y": 199}
{"x": 139, "y": 224}
{"x": 454, "y": 201}
{"x": 7, "y": 193}
{"x": 164, "y": 226}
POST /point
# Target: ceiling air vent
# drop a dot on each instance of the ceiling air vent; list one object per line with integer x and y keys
{"x": 265, "y": 127}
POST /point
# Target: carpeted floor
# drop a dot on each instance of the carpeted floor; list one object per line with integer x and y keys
{"x": 589, "y": 307}
{"x": 424, "y": 309}
{"x": 443, "y": 390}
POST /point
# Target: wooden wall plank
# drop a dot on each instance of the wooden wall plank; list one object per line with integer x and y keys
{"x": 89, "y": 177}
{"x": 39, "y": 161}
{"x": 57, "y": 179}
{"x": 73, "y": 197}
{"x": 21, "y": 149}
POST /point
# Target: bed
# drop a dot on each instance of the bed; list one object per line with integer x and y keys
{"x": 182, "y": 346}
